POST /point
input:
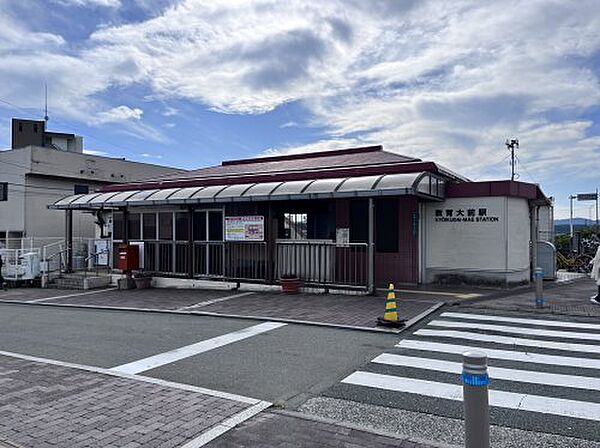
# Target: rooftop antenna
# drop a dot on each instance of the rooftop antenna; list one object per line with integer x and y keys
{"x": 46, "y": 118}
{"x": 511, "y": 145}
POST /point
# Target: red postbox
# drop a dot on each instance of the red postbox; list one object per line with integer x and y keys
{"x": 129, "y": 258}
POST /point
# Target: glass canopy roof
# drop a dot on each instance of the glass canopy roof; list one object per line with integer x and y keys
{"x": 422, "y": 184}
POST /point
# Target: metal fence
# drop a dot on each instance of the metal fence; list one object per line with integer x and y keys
{"x": 315, "y": 262}
{"x": 323, "y": 262}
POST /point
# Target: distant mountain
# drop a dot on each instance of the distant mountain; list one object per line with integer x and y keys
{"x": 576, "y": 221}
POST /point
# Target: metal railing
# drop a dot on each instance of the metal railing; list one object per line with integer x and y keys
{"x": 323, "y": 262}
{"x": 247, "y": 260}
{"x": 315, "y": 262}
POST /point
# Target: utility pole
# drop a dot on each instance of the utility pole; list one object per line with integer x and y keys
{"x": 571, "y": 199}
{"x": 511, "y": 145}
{"x": 597, "y": 229}
{"x": 46, "y": 118}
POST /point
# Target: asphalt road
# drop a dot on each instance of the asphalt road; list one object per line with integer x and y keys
{"x": 545, "y": 372}
{"x": 290, "y": 363}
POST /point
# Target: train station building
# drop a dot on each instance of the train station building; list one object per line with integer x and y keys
{"x": 354, "y": 218}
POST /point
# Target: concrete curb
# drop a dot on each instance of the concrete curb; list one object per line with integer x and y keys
{"x": 391, "y": 435}
{"x": 409, "y": 323}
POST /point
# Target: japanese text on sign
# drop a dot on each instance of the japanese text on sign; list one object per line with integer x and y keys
{"x": 244, "y": 228}
{"x": 464, "y": 215}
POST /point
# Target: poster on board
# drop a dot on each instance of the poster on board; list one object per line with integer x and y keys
{"x": 244, "y": 228}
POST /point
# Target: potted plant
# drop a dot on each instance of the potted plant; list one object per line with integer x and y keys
{"x": 143, "y": 280}
{"x": 290, "y": 284}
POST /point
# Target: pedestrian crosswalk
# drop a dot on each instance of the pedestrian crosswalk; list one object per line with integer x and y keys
{"x": 547, "y": 369}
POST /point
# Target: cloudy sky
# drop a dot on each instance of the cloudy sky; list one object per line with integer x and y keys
{"x": 189, "y": 83}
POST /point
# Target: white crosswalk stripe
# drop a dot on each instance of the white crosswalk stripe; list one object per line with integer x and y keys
{"x": 428, "y": 364}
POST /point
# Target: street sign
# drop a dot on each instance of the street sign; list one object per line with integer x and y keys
{"x": 587, "y": 197}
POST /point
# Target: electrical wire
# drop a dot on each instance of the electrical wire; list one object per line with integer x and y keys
{"x": 66, "y": 125}
{"x": 526, "y": 170}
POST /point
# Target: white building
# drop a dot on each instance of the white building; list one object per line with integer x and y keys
{"x": 41, "y": 167}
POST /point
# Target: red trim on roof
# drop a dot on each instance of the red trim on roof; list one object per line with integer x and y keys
{"x": 496, "y": 188}
{"x": 304, "y": 155}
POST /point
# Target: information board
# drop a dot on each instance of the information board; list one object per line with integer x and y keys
{"x": 244, "y": 228}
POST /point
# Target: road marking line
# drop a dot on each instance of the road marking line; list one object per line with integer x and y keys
{"x": 210, "y": 302}
{"x": 518, "y": 320}
{"x": 536, "y": 358}
{"x": 169, "y": 357}
{"x": 71, "y": 295}
{"x": 498, "y": 373}
{"x": 515, "y": 330}
{"x": 507, "y": 340}
{"x": 533, "y": 403}
{"x": 145, "y": 379}
{"x": 435, "y": 293}
{"x": 227, "y": 425}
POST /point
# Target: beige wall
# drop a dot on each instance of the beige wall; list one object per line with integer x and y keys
{"x": 13, "y": 166}
{"x": 104, "y": 169}
{"x": 43, "y": 222}
{"x": 494, "y": 251}
{"x": 46, "y": 175}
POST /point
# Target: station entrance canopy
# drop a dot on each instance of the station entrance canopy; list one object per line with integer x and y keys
{"x": 422, "y": 184}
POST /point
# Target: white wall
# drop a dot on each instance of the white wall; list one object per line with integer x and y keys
{"x": 43, "y": 222}
{"x": 13, "y": 166}
{"x": 44, "y": 175}
{"x": 546, "y": 224}
{"x": 494, "y": 248}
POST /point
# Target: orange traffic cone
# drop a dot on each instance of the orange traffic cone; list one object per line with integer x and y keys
{"x": 390, "y": 317}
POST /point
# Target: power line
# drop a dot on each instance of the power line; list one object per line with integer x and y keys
{"x": 526, "y": 170}
{"x": 67, "y": 125}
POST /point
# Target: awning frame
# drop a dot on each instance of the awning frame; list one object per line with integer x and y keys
{"x": 425, "y": 185}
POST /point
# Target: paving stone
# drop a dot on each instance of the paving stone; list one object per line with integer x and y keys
{"x": 76, "y": 408}
{"x": 274, "y": 430}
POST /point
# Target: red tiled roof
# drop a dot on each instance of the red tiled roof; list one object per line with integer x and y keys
{"x": 346, "y": 162}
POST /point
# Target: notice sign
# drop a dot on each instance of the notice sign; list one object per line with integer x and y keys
{"x": 244, "y": 228}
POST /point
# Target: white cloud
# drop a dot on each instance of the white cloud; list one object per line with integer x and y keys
{"x": 119, "y": 114}
{"x": 443, "y": 80}
{"x": 289, "y": 124}
{"x": 93, "y": 152}
{"x": 91, "y": 3}
{"x": 170, "y": 111}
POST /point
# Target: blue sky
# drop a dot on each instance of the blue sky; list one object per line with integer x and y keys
{"x": 189, "y": 83}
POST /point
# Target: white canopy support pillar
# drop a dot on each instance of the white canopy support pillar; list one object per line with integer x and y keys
{"x": 69, "y": 240}
{"x": 371, "y": 249}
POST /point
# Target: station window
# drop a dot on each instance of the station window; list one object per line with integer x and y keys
{"x": 118, "y": 227}
{"x": 181, "y": 226}
{"x": 359, "y": 221}
{"x": 165, "y": 226}
{"x": 295, "y": 226}
{"x": 3, "y": 191}
{"x": 149, "y": 226}
{"x": 215, "y": 226}
{"x": 199, "y": 226}
{"x": 387, "y": 222}
{"x": 81, "y": 189}
{"x": 133, "y": 226}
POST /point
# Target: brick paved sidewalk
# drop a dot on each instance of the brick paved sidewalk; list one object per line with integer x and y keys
{"x": 276, "y": 430}
{"x": 44, "y": 405}
{"x": 571, "y": 299}
{"x": 328, "y": 309}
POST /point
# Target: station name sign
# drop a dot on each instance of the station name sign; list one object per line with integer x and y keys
{"x": 464, "y": 215}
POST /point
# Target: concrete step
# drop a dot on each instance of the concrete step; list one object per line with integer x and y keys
{"x": 80, "y": 282}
